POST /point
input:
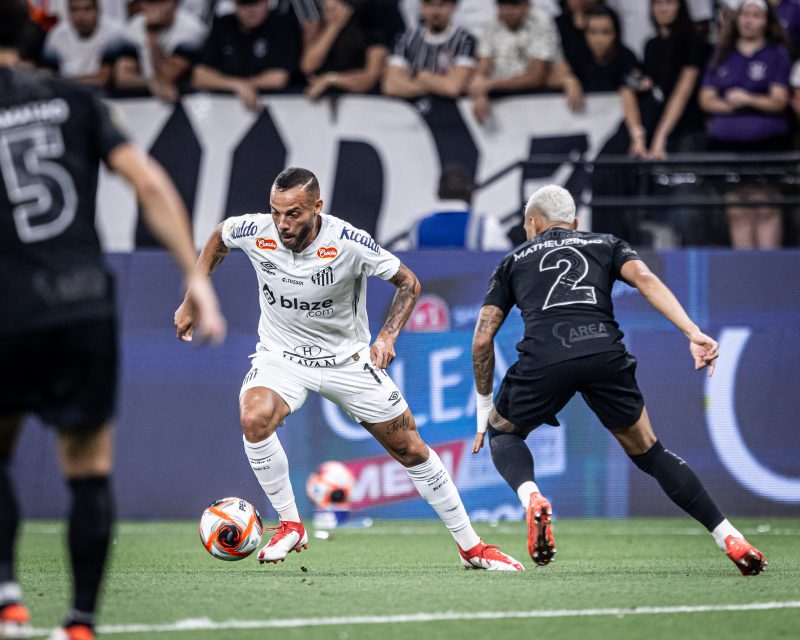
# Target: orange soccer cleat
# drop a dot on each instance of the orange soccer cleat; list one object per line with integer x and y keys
{"x": 15, "y": 622}
{"x": 749, "y": 560}
{"x": 290, "y": 536}
{"x": 488, "y": 557}
{"x": 541, "y": 544}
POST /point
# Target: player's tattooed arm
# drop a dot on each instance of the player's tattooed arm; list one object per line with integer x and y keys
{"x": 408, "y": 290}
{"x": 489, "y": 322}
{"x": 210, "y": 258}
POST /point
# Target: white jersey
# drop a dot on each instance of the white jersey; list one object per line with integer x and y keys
{"x": 313, "y": 303}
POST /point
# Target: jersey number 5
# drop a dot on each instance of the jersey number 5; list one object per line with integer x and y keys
{"x": 42, "y": 190}
{"x": 573, "y": 267}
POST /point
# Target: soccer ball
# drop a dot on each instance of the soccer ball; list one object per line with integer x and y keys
{"x": 231, "y": 529}
{"x": 330, "y": 486}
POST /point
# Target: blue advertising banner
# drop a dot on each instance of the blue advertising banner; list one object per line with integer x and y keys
{"x": 179, "y": 442}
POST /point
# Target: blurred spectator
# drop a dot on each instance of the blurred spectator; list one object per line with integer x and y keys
{"x": 515, "y": 53}
{"x": 453, "y": 225}
{"x": 789, "y": 16}
{"x": 349, "y": 52}
{"x": 673, "y": 60}
{"x": 794, "y": 82}
{"x": 83, "y": 46}
{"x": 746, "y": 92}
{"x": 437, "y": 57}
{"x": 161, "y": 43}
{"x": 571, "y": 27}
{"x": 249, "y": 51}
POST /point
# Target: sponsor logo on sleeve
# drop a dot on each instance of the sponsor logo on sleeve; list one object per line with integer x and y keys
{"x": 310, "y": 355}
{"x": 327, "y": 253}
{"x": 243, "y": 230}
{"x": 323, "y": 276}
{"x": 567, "y": 333}
{"x": 267, "y": 244}
{"x": 360, "y": 238}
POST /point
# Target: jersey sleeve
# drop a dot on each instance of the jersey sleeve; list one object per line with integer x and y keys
{"x": 621, "y": 253}
{"x": 235, "y": 223}
{"x": 500, "y": 293}
{"x": 371, "y": 258}
{"x": 107, "y": 134}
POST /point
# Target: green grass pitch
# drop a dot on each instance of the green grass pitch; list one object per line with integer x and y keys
{"x": 160, "y": 576}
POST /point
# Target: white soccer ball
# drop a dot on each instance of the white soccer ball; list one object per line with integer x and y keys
{"x": 330, "y": 486}
{"x": 231, "y": 529}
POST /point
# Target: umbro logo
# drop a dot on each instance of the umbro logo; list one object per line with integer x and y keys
{"x": 395, "y": 398}
{"x": 267, "y": 267}
{"x": 323, "y": 276}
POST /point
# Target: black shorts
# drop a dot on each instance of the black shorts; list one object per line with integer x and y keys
{"x": 607, "y": 381}
{"x": 67, "y": 374}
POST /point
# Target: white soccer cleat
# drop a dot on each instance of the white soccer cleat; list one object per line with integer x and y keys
{"x": 488, "y": 557}
{"x": 15, "y": 622}
{"x": 290, "y": 536}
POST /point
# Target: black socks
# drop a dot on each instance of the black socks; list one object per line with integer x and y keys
{"x": 511, "y": 457}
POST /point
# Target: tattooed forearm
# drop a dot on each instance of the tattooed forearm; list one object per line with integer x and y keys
{"x": 408, "y": 289}
{"x": 489, "y": 322}
{"x": 213, "y": 253}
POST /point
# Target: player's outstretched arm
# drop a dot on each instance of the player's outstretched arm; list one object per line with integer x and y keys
{"x": 211, "y": 257}
{"x": 704, "y": 349}
{"x": 489, "y": 322}
{"x": 166, "y": 217}
{"x": 408, "y": 290}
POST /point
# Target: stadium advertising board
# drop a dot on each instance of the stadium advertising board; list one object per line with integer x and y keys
{"x": 180, "y": 442}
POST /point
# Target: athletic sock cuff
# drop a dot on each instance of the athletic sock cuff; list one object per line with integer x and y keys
{"x": 644, "y": 460}
{"x": 90, "y": 482}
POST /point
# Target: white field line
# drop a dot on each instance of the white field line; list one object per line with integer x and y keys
{"x": 204, "y": 624}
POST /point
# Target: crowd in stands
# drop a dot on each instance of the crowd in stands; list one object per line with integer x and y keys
{"x": 692, "y": 75}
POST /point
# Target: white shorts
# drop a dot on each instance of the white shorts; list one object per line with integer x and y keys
{"x": 367, "y": 394}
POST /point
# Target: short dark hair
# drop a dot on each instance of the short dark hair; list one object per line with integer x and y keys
{"x": 297, "y": 176}
{"x": 455, "y": 183}
{"x": 13, "y": 17}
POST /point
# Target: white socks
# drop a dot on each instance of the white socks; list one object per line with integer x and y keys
{"x": 525, "y": 490}
{"x": 436, "y": 487}
{"x": 269, "y": 463}
{"x": 722, "y": 531}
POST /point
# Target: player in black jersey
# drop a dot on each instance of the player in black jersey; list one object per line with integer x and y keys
{"x": 561, "y": 280}
{"x": 58, "y": 347}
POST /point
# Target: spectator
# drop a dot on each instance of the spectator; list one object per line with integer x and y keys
{"x": 437, "y": 57}
{"x": 454, "y": 225}
{"x": 249, "y": 51}
{"x": 746, "y": 93}
{"x": 572, "y": 26}
{"x": 161, "y": 44}
{"x": 350, "y": 50}
{"x": 515, "y": 53}
{"x": 672, "y": 63}
{"x": 82, "y": 47}
{"x": 789, "y": 16}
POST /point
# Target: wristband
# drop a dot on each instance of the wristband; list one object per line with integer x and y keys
{"x": 483, "y": 406}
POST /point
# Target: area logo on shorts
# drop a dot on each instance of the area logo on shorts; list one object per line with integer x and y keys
{"x": 323, "y": 276}
{"x": 568, "y": 333}
{"x": 310, "y": 355}
{"x": 395, "y": 398}
{"x": 267, "y": 244}
{"x": 327, "y": 253}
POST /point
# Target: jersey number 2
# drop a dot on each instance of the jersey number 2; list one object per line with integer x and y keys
{"x": 42, "y": 190}
{"x": 573, "y": 267}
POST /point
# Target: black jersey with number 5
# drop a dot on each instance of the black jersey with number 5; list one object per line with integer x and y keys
{"x": 561, "y": 280}
{"x": 52, "y": 138}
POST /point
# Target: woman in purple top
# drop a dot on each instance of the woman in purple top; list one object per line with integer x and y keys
{"x": 746, "y": 92}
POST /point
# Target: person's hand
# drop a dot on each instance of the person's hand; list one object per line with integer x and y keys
{"x": 704, "y": 350}
{"x": 163, "y": 90}
{"x": 337, "y": 12}
{"x": 477, "y": 445}
{"x": 200, "y": 310}
{"x": 737, "y": 98}
{"x": 248, "y": 95}
{"x": 317, "y": 85}
{"x": 481, "y": 108}
{"x": 638, "y": 148}
{"x": 658, "y": 149}
{"x": 574, "y": 94}
{"x": 645, "y": 84}
{"x": 382, "y": 351}
{"x": 479, "y": 86}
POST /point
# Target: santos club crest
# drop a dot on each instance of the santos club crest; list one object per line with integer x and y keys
{"x": 323, "y": 276}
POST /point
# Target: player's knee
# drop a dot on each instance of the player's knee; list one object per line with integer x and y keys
{"x": 411, "y": 453}
{"x": 258, "y": 423}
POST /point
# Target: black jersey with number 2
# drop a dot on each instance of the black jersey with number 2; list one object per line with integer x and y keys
{"x": 52, "y": 138}
{"x": 561, "y": 280}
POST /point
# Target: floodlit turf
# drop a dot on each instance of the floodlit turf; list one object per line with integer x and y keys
{"x": 161, "y": 575}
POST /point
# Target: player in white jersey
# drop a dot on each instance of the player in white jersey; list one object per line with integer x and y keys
{"x": 314, "y": 336}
